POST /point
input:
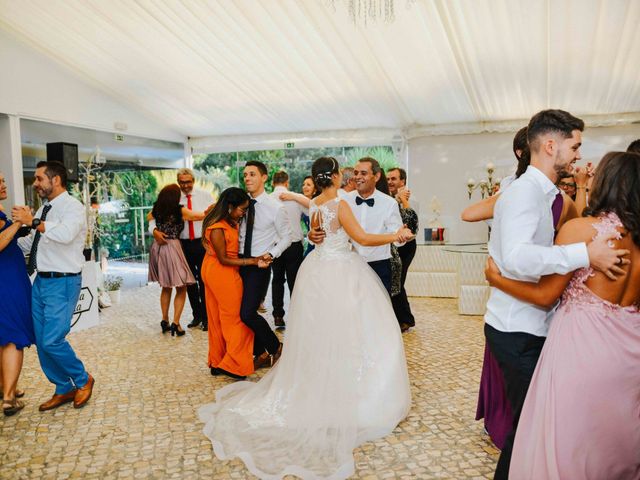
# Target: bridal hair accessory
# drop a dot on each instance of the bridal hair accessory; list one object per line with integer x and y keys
{"x": 323, "y": 175}
{"x": 327, "y": 175}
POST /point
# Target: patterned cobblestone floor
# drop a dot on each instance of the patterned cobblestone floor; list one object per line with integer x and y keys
{"x": 141, "y": 421}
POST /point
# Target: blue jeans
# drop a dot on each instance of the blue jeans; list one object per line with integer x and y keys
{"x": 53, "y": 301}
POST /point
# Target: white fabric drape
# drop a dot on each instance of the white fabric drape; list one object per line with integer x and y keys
{"x": 237, "y": 67}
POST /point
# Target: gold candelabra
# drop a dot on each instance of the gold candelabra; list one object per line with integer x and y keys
{"x": 487, "y": 186}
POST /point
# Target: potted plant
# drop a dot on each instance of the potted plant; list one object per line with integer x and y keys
{"x": 112, "y": 284}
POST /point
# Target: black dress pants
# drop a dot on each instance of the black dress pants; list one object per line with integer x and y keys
{"x": 194, "y": 253}
{"x": 400, "y": 302}
{"x": 517, "y": 354}
{"x": 285, "y": 267}
{"x": 255, "y": 282}
{"x": 383, "y": 270}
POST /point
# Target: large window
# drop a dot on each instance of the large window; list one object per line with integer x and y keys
{"x": 225, "y": 169}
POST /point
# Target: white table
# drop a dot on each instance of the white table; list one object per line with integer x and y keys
{"x": 473, "y": 289}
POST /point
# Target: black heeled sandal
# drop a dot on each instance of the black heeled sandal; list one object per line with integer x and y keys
{"x": 164, "y": 324}
{"x": 229, "y": 374}
{"x": 14, "y": 407}
{"x": 177, "y": 330}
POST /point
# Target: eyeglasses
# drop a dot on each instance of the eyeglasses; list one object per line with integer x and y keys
{"x": 187, "y": 182}
{"x": 565, "y": 184}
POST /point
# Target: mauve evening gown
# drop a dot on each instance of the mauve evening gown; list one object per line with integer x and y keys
{"x": 581, "y": 417}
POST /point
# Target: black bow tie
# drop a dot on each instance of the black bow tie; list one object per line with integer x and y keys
{"x": 368, "y": 201}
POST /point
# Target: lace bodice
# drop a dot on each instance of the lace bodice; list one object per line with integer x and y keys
{"x": 336, "y": 243}
{"x": 577, "y": 292}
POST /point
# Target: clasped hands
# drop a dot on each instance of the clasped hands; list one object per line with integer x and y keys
{"x": 22, "y": 214}
{"x": 264, "y": 260}
{"x": 404, "y": 235}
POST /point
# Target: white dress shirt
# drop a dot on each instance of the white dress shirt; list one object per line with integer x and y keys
{"x": 61, "y": 244}
{"x": 294, "y": 213}
{"x": 200, "y": 201}
{"x": 271, "y": 229}
{"x": 521, "y": 244}
{"x": 382, "y": 217}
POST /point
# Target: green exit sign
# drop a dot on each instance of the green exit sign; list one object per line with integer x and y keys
{"x": 118, "y": 137}
{"x": 289, "y": 145}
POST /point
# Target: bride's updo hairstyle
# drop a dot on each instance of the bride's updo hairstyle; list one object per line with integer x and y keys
{"x": 616, "y": 188}
{"x": 323, "y": 170}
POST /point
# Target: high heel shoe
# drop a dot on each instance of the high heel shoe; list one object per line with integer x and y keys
{"x": 276, "y": 356}
{"x": 176, "y": 330}
{"x": 165, "y": 326}
{"x": 11, "y": 407}
{"x": 231, "y": 375}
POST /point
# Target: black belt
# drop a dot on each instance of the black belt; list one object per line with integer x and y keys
{"x": 57, "y": 274}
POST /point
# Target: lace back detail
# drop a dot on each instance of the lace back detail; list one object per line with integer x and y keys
{"x": 577, "y": 291}
{"x": 337, "y": 241}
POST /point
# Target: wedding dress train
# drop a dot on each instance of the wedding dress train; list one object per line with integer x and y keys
{"x": 341, "y": 380}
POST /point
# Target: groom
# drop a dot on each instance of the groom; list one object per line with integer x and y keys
{"x": 522, "y": 246}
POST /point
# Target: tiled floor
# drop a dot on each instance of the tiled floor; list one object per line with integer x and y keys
{"x": 141, "y": 422}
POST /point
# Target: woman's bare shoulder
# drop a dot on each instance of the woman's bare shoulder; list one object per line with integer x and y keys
{"x": 581, "y": 229}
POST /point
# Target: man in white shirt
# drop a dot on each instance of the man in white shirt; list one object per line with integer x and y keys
{"x": 377, "y": 213}
{"x": 191, "y": 242}
{"x": 522, "y": 246}
{"x": 55, "y": 248}
{"x": 287, "y": 264}
{"x": 348, "y": 182}
{"x": 265, "y": 232}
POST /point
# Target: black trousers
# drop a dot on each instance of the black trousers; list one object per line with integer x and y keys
{"x": 400, "y": 302}
{"x": 285, "y": 267}
{"x": 517, "y": 354}
{"x": 255, "y": 282}
{"x": 383, "y": 270}
{"x": 194, "y": 253}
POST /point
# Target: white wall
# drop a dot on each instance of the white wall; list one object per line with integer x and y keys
{"x": 34, "y": 86}
{"x": 441, "y": 165}
{"x": 11, "y": 161}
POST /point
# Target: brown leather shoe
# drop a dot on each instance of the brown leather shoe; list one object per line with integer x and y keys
{"x": 278, "y": 321}
{"x": 57, "y": 400}
{"x": 262, "y": 361}
{"x": 83, "y": 394}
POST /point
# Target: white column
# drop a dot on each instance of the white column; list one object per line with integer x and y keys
{"x": 188, "y": 156}
{"x": 11, "y": 160}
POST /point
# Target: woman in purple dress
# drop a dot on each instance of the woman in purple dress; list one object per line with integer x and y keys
{"x": 581, "y": 418}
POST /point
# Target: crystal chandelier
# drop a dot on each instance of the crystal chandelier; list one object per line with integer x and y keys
{"x": 364, "y": 12}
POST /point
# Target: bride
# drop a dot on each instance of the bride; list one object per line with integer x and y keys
{"x": 342, "y": 378}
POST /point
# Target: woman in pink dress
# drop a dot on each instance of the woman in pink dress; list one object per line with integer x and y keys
{"x": 581, "y": 417}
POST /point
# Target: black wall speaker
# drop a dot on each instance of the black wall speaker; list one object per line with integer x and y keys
{"x": 67, "y": 154}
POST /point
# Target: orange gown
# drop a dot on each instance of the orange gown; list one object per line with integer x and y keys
{"x": 230, "y": 340}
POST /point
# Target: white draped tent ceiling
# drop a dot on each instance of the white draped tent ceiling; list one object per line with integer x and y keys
{"x": 226, "y": 72}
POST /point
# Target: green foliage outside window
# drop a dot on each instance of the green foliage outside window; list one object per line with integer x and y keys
{"x": 296, "y": 162}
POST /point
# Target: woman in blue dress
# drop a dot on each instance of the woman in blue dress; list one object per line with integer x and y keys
{"x": 16, "y": 326}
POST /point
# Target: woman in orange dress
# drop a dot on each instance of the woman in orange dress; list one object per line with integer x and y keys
{"x": 230, "y": 340}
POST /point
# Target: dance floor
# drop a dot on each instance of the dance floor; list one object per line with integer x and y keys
{"x": 142, "y": 423}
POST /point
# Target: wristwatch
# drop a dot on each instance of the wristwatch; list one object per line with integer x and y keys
{"x": 35, "y": 223}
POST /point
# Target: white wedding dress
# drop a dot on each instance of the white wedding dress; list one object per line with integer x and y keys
{"x": 341, "y": 381}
